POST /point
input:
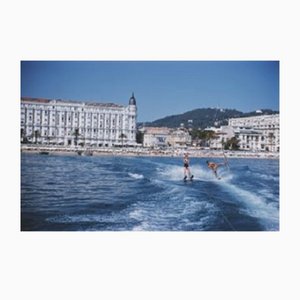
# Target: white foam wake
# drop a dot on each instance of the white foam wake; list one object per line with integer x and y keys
{"x": 177, "y": 173}
{"x": 136, "y": 176}
{"x": 256, "y": 206}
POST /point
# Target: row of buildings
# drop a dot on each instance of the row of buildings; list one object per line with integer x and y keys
{"x": 257, "y": 133}
{"x": 62, "y": 122}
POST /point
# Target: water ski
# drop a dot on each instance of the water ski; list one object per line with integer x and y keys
{"x": 191, "y": 178}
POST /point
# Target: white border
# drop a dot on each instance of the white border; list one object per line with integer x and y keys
{"x": 148, "y": 265}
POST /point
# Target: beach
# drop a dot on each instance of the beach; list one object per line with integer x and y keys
{"x": 141, "y": 151}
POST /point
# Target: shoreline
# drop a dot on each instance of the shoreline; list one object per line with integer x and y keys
{"x": 144, "y": 152}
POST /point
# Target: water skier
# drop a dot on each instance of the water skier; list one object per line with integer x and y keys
{"x": 186, "y": 167}
{"x": 214, "y": 166}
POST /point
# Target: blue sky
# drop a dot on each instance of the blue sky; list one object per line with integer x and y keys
{"x": 161, "y": 88}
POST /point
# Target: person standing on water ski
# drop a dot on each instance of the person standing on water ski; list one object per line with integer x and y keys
{"x": 186, "y": 167}
{"x": 214, "y": 166}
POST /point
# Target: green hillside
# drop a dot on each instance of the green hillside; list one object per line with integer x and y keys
{"x": 204, "y": 117}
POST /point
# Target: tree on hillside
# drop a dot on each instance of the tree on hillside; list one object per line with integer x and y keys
{"x": 204, "y": 117}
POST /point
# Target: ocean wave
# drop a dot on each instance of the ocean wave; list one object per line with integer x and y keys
{"x": 73, "y": 219}
{"x": 136, "y": 176}
{"x": 256, "y": 205}
{"x": 266, "y": 176}
{"x": 175, "y": 173}
{"x": 147, "y": 194}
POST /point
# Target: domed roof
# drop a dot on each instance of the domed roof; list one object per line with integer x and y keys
{"x": 132, "y": 100}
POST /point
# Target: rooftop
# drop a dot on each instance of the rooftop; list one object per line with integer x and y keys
{"x": 68, "y": 102}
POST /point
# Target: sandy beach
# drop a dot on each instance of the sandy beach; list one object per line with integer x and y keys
{"x": 178, "y": 152}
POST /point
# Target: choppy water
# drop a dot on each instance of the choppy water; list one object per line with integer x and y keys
{"x": 75, "y": 193}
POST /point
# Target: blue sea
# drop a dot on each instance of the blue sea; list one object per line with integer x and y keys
{"x": 107, "y": 193}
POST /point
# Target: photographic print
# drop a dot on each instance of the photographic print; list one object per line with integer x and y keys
{"x": 149, "y": 145}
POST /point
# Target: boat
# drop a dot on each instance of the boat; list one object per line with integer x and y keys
{"x": 44, "y": 152}
{"x": 85, "y": 153}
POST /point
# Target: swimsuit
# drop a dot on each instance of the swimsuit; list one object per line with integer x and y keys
{"x": 186, "y": 164}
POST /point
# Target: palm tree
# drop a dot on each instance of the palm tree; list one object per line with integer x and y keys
{"x": 122, "y": 136}
{"x": 22, "y": 135}
{"x": 76, "y": 134}
{"x": 139, "y": 137}
{"x": 232, "y": 144}
{"x": 37, "y": 134}
{"x": 271, "y": 137}
{"x": 204, "y": 136}
{"x": 48, "y": 138}
{"x": 209, "y": 136}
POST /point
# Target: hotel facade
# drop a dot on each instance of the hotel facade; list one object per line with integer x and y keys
{"x": 62, "y": 122}
{"x": 258, "y": 133}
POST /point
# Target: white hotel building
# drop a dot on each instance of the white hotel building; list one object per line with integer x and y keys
{"x": 258, "y": 133}
{"x": 63, "y": 122}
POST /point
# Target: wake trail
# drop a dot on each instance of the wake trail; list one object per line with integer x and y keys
{"x": 254, "y": 205}
{"x": 250, "y": 203}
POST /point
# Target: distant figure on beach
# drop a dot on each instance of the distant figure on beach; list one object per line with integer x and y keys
{"x": 214, "y": 166}
{"x": 186, "y": 167}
